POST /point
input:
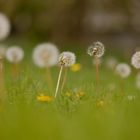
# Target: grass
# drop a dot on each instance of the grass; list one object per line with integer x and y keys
{"x": 103, "y": 115}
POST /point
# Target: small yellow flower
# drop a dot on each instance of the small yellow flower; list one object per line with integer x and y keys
{"x": 76, "y": 67}
{"x": 80, "y": 94}
{"x": 44, "y": 98}
{"x": 68, "y": 94}
{"x": 100, "y": 103}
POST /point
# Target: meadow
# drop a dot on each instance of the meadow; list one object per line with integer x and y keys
{"x": 80, "y": 111}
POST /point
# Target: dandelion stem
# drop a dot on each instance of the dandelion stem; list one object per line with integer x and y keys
{"x": 49, "y": 79}
{"x": 1, "y": 79}
{"x": 122, "y": 86}
{"x": 15, "y": 71}
{"x": 64, "y": 79}
{"x": 97, "y": 71}
{"x": 58, "y": 81}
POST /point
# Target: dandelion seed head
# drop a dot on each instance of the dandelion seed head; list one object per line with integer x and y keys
{"x": 14, "y": 54}
{"x": 45, "y": 55}
{"x": 4, "y": 26}
{"x": 123, "y": 70}
{"x": 67, "y": 59}
{"x": 97, "y": 49}
{"x": 135, "y": 61}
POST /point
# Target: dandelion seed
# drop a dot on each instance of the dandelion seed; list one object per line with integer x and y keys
{"x": 135, "y": 61}
{"x": 44, "y": 98}
{"x": 4, "y": 26}
{"x": 76, "y": 67}
{"x": 45, "y": 55}
{"x": 123, "y": 70}
{"x": 66, "y": 59}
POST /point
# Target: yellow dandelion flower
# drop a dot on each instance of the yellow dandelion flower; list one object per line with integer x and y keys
{"x": 80, "y": 94}
{"x": 68, "y": 94}
{"x": 76, "y": 67}
{"x": 44, "y": 98}
{"x": 100, "y": 103}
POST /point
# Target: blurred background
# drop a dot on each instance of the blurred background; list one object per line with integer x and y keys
{"x": 81, "y": 21}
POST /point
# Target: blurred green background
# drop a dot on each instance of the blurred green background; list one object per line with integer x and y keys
{"x": 114, "y": 21}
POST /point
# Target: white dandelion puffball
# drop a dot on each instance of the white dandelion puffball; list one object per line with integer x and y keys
{"x": 2, "y": 51}
{"x": 14, "y": 54}
{"x": 66, "y": 59}
{"x": 4, "y": 26}
{"x": 135, "y": 61}
{"x": 45, "y": 55}
{"x": 123, "y": 70}
{"x": 97, "y": 49}
{"x": 111, "y": 63}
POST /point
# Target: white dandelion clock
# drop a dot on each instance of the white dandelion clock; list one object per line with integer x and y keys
{"x": 123, "y": 70}
{"x": 97, "y": 49}
{"x": 135, "y": 61}
{"x": 45, "y": 55}
{"x": 66, "y": 59}
{"x": 14, "y": 54}
{"x": 4, "y": 26}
